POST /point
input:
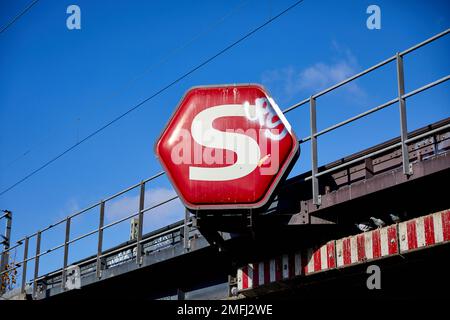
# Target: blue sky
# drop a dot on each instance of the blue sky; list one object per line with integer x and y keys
{"x": 59, "y": 85}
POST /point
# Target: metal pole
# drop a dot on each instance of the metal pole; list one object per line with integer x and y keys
{"x": 313, "y": 126}
{"x": 36, "y": 262}
{"x": 403, "y": 119}
{"x": 186, "y": 230}
{"x": 66, "y": 254}
{"x": 8, "y": 230}
{"x": 4, "y": 258}
{"x": 181, "y": 294}
{"x": 140, "y": 224}
{"x": 100, "y": 239}
{"x": 24, "y": 266}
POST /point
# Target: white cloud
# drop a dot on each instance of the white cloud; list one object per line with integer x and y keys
{"x": 321, "y": 75}
{"x": 291, "y": 82}
{"x": 153, "y": 219}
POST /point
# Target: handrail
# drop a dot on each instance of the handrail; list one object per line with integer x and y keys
{"x": 96, "y": 231}
{"x": 117, "y": 250}
{"x": 378, "y": 65}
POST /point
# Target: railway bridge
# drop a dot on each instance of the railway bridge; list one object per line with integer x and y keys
{"x": 386, "y": 206}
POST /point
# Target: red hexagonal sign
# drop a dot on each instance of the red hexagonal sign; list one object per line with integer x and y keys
{"x": 226, "y": 147}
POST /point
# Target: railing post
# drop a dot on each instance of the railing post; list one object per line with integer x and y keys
{"x": 181, "y": 295}
{"x": 100, "y": 239}
{"x": 403, "y": 119}
{"x": 24, "y": 265}
{"x": 66, "y": 254}
{"x": 140, "y": 224}
{"x": 36, "y": 262}
{"x": 313, "y": 126}
{"x": 186, "y": 231}
{"x": 4, "y": 256}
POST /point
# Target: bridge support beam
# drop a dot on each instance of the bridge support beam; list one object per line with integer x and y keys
{"x": 372, "y": 185}
{"x": 304, "y": 216}
{"x": 213, "y": 236}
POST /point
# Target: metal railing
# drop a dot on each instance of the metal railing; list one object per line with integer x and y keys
{"x": 101, "y": 227}
{"x": 401, "y": 99}
{"x": 315, "y": 174}
{"x": 176, "y": 233}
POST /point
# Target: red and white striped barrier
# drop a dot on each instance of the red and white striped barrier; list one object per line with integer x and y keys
{"x": 287, "y": 266}
{"x": 367, "y": 246}
{"x": 424, "y": 231}
{"x": 388, "y": 241}
{"x": 257, "y": 274}
{"x": 320, "y": 259}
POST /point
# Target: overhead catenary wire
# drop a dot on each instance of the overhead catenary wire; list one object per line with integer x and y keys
{"x": 17, "y": 17}
{"x": 155, "y": 94}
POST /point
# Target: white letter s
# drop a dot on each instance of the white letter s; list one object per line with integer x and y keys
{"x": 246, "y": 148}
